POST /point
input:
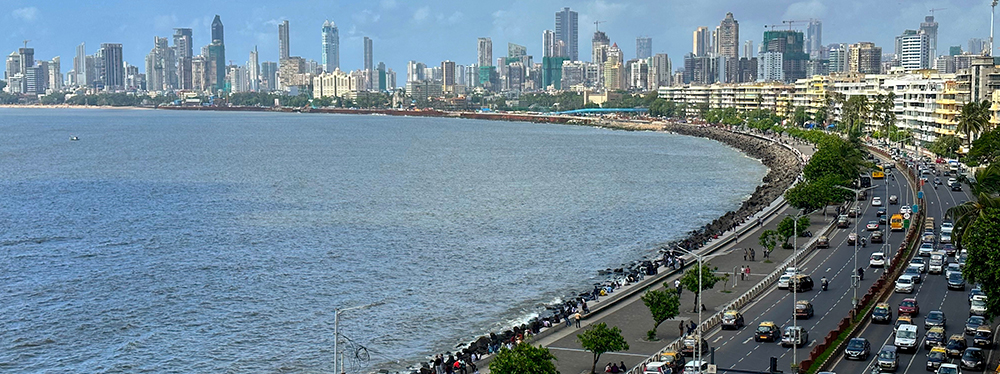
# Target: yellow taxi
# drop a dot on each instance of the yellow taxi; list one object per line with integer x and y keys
{"x": 767, "y": 331}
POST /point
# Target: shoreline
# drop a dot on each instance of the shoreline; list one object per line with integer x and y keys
{"x": 783, "y": 166}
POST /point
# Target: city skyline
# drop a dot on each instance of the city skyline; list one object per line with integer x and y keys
{"x": 426, "y": 31}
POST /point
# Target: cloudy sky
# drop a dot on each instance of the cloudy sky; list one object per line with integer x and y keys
{"x": 432, "y": 31}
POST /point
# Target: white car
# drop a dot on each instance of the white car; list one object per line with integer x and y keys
{"x": 919, "y": 263}
{"x": 906, "y": 337}
{"x": 872, "y": 225}
{"x": 877, "y": 260}
{"x": 947, "y": 227}
{"x": 904, "y": 284}
{"x": 876, "y": 201}
{"x": 655, "y": 367}
{"x": 951, "y": 181}
{"x": 783, "y": 281}
{"x": 978, "y": 305}
{"x": 905, "y": 209}
{"x": 948, "y": 369}
{"x": 945, "y": 237}
{"x": 925, "y": 249}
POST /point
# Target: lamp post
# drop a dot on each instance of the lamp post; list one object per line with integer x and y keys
{"x": 795, "y": 286}
{"x": 697, "y": 343}
{"x": 993, "y": 8}
{"x": 336, "y": 332}
{"x": 855, "y": 281}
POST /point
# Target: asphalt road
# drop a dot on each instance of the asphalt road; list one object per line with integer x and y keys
{"x": 738, "y": 350}
{"x": 931, "y": 294}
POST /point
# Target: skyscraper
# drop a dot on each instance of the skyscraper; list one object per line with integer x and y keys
{"x": 728, "y": 34}
{"x": 865, "y": 58}
{"x": 700, "y": 42}
{"x": 448, "y": 76}
{"x": 184, "y": 51}
{"x": 748, "y": 49}
{"x": 600, "y": 44}
{"x": 814, "y": 37}
{"x": 550, "y": 45}
{"x": 643, "y": 47}
{"x": 368, "y": 53}
{"x": 331, "y": 47}
{"x": 283, "y": 51}
{"x": 567, "y": 32}
{"x": 930, "y": 27}
{"x": 269, "y": 75}
{"x": 485, "y": 52}
{"x": 112, "y": 67}
{"x": 253, "y": 71}
{"x": 516, "y": 51}
{"x": 915, "y": 51}
{"x": 80, "y": 66}
{"x": 217, "y": 55}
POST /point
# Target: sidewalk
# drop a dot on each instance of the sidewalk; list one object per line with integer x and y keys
{"x": 634, "y": 318}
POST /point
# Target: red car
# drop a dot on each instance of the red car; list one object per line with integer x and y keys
{"x": 909, "y": 307}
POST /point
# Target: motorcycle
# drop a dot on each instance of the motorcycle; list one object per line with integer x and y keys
{"x": 861, "y": 274}
{"x": 824, "y": 283}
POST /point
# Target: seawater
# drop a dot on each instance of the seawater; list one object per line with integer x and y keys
{"x": 183, "y": 242}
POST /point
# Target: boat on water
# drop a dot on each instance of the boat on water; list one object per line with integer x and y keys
{"x": 73, "y": 138}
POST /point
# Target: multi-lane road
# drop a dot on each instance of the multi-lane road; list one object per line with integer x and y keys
{"x": 738, "y": 350}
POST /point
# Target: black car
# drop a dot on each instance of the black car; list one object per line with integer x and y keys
{"x": 973, "y": 359}
{"x": 876, "y": 237}
{"x": 858, "y": 349}
{"x": 956, "y": 345}
{"x": 880, "y": 212}
{"x": 800, "y": 283}
{"x": 973, "y": 323}
{"x": 955, "y": 281}
{"x": 948, "y": 249}
{"x": 935, "y": 337}
{"x": 956, "y": 186}
{"x": 935, "y": 318}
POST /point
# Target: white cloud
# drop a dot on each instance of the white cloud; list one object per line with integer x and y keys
{"x": 388, "y": 4}
{"x": 25, "y": 14}
{"x": 366, "y": 16}
{"x": 456, "y": 17}
{"x": 165, "y": 22}
{"x": 421, "y": 14}
{"x": 805, "y": 10}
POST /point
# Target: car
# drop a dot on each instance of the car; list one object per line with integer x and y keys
{"x": 919, "y": 262}
{"x": 955, "y": 281}
{"x": 803, "y": 309}
{"x": 937, "y": 262}
{"x": 876, "y": 237}
{"x": 928, "y": 237}
{"x": 945, "y": 237}
{"x": 852, "y": 239}
{"x": 872, "y": 225}
{"x": 857, "y": 349}
{"x": 935, "y": 337}
{"x": 673, "y": 359}
{"x": 689, "y": 345}
{"x": 974, "y": 292}
{"x": 888, "y": 358}
{"x": 948, "y": 249}
{"x": 783, "y": 281}
{"x": 882, "y": 220}
{"x": 973, "y": 323}
{"x": 732, "y": 319}
{"x": 882, "y": 313}
{"x": 767, "y": 331}
{"x": 925, "y": 249}
{"x": 695, "y": 367}
{"x": 935, "y": 318}
{"x": 973, "y": 359}
{"x": 952, "y": 181}
{"x": 905, "y": 209}
{"x": 800, "y": 283}
{"x": 914, "y": 272}
{"x": 796, "y": 336}
{"x": 983, "y": 337}
{"x": 956, "y": 186}
{"x": 893, "y": 200}
{"x": 953, "y": 267}
{"x": 854, "y": 212}
{"x": 948, "y": 369}
{"x": 877, "y": 259}
{"x": 656, "y": 367}
{"x": 906, "y": 338}
{"x": 956, "y": 345}
{"x": 909, "y": 307}
{"x": 904, "y": 284}
{"x": 947, "y": 226}
{"x": 937, "y": 181}
{"x": 902, "y": 320}
{"x": 936, "y": 357}
{"x": 978, "y": 306}
{"x": 823, "y": 242}
{"x": 876, "y": 201}
{"x": 843, "y": 221}
{"x": 961, "y": 259}
{"x": 880, "y": 212}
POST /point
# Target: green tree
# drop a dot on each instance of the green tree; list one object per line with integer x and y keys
{"x": 708, "y": 280}
{"x": 663, "y": 304}
{"x": 974, "y": 118}
{"x": 983, "y": 264}
{"x": 768, "y": 239}
{"x": 600, "y": 339}
{"x": 985, "y": 149}
{"x": 524, "y": 358}
{"x": 800, "y": 117}
{"x": 946, "y": 146}
{"x": 984, "y": 197}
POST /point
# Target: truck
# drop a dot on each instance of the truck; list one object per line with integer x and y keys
{"x": 937, "y": 263}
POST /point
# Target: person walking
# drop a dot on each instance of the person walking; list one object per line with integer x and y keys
{"x": 677, "y": 285}
{"x": 746, "y": 253}
{"x": 681, "y": 329}
{"x": 753, "y": 253}
{"x": 577, "y": 317}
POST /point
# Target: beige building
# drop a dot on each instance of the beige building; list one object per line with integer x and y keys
{"x": 335, "y": 84}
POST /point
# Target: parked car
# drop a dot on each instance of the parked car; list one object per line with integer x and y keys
{"x": 857, "y": 349}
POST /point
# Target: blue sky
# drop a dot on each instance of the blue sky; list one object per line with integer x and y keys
{"x": 432, "y": 31}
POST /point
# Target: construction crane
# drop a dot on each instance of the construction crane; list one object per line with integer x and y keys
{"x": 26, "y": 43}
{"x": 936, "y": 9}
{"x": 597, "y": 25}
{"x": 800, "y": 21}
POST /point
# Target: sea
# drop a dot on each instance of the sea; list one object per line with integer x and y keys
{"x": 225, "y": 242}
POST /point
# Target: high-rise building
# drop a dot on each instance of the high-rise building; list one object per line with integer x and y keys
{"x": 643, "y": 47}
{"x": 253, "y": 71}
{"x": 955, "y": 50}
{"x": 748, "y": 49}
{"x": 485, "y": 52}
{"x": 771, "y": 67}
{"x": 600, "y": 44}
{"x": 567, "y": 32}
{"x": 516, "y": 51}
{"x": 700, "y": 42}
{"x": 269, "y": 75}
{"x": 368, "y": 54}
{"x": 80, "y": 66}
{"x": 790, "y": 43}
{"x": 614, "y": 69}
{"x": 112, "y": 67}
{"x": 184, "y": 51}
{"x": 976, "y": 46}
{"x": 283, "y": 50}
{"x": 865, "y": 58}
{"x": 814, "y": 37}
{"x": 159, "y": 66}
{"x": 915, "y": 51}
{"x": 217, "y": 55}
{"x": 54, "y": 75}
{"x": 660, "y": 71}
{"x": 838, "y": 58}
{"x": 728, "y": 39}
{"x": 930, "y": 28}
{"x": 551, "y": 46}
{"x": 331, "y": 47}
{"x": 448, "y": 76}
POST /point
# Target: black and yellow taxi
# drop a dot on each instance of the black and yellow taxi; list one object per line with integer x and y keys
{"x": 803, "y": 309}
{"x": 882, "y": 313}
{"x": 732, "y": 319}
{"x": 767, "y": 331}
{"x": 936, "y": 357}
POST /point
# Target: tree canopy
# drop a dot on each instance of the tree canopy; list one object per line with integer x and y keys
{"x": 983, "y": 265}
{"x": 600, "y": 339}
{"x": 708, "y": 280}
{"x": 946, "y": 146}
{"x": 524, "y": 358}
{"x": 663, "y": 304}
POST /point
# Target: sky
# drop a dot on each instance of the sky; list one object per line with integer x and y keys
{"x": 433, "y": 31}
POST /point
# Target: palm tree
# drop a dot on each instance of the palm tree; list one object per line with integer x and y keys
{"x": 974, "y": 118}
{"x": 984, "y": 189}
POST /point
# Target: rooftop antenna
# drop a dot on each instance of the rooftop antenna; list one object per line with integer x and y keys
{"x": 26, "y": 43}
{"x": 936, "y": 9}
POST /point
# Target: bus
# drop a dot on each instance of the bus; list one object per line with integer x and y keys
{"x": 878, "y": 173}
{"x": 896, "y": 222}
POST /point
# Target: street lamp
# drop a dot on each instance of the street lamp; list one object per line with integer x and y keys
{"x": 993, "y": 8}
{"x": 698, "y": 303}
{"x": 855, "y": 282}
{"x": 795, "y": 300}
{"x": 336, "y": 332}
